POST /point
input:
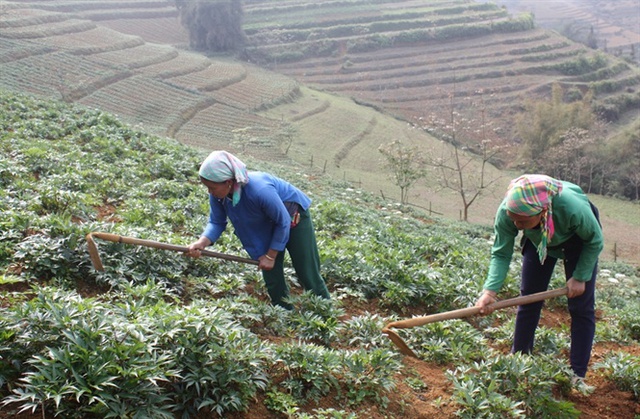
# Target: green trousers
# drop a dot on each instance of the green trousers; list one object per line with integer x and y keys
{"x": 303, "y": 251}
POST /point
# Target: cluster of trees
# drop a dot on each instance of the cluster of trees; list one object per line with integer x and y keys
{"x": 213, "y": 25}
{"x": 567, "y": 140}
{"x": 562, "y": 137}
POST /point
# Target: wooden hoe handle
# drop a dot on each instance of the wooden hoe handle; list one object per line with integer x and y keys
{"x": 472, "y": 311}
{"x": 158, "y": 245}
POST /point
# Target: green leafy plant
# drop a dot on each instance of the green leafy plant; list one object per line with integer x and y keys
{"x": 514, "y": 385}
{"x": 447, "y": 342}
{"x": 309, "y": 370}
{"x": 624, "y": 370}
{"x": 368, "y": 374}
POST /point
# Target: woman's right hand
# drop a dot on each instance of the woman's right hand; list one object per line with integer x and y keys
{"x": 195, "y": 248}
{"x": 484, "y": 302}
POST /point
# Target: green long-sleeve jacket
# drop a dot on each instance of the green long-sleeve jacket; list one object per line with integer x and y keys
{"x": 572, "y": 214}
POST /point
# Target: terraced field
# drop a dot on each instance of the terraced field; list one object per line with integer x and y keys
{"x": 83, "y": 52}
{"x": 377, "y": 53}
{"x": 616, "y": 24}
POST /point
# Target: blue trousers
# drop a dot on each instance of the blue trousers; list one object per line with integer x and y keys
{"x": 536, "y": 278}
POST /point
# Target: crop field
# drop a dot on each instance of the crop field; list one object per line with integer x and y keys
{"x": 615, "y": 23}
{"x": 134, "y": 64}
{"x": 167, "y": 30}
{"x": 143, "y": 55}
{"x": 152, "y": 103}
{"x": 57, "y": 74}
{"x": 92, "y": 41}
{"x": 217, "y": 75}
{"x": 184, "y": 63}
{"x": 191, "y": 338}
{"x": 213, "y": 128}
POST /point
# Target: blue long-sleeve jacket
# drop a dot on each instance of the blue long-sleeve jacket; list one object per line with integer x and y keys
{"x": 260, "y": 219}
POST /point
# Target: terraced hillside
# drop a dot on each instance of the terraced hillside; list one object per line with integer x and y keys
{"x": 409, "y": 57}
{"x": 127, "y": 57}
{"x": 73, "y": 51}
{"x": 616, "y": 24}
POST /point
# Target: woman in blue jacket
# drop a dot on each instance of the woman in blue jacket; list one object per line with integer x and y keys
{"x": 269, "y": 215}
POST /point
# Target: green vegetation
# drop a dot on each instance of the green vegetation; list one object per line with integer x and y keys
{"x": 562, "y": 139}
{"x": 157, "y": 334}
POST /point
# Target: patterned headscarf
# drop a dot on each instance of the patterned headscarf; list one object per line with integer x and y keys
{"x": 221, "y": 166}
{"x": 530, "y": 195}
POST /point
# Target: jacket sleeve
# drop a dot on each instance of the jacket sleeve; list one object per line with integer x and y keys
{"x": 217, "y": 222}
{"x": 590, "y": 232}
{"x": 501, "y": 252}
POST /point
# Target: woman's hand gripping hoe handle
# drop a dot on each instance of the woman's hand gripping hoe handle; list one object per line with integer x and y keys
{"x": 460, "y": 314}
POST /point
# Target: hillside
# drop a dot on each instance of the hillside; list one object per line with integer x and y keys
{"x": 409, "y": 57}
{"x": 616, "y": 24}
{"x": 158, "y": 335}
{"x": 130, "y": 58}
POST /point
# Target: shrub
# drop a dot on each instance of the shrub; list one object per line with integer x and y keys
{"x": 624, "y": 370}
{"x": 309, "y": 370}
{"x": 515, "y": 386}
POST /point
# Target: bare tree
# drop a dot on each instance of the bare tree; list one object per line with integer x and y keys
{"x": 463, "y": 168}
{"x": 285, "y": 136}
{"x": 406, "y": 164}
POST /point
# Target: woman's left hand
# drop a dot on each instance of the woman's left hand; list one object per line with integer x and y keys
{"x": 575, "y": 288}
{"x": 265, "y": 263}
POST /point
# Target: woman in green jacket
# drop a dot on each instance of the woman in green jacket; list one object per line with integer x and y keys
{"x": 558, "y": 222}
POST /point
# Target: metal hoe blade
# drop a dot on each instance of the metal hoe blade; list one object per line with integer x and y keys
{"x": 93, "y": 253}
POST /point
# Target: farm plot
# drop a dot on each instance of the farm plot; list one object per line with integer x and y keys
{"x": 18, "y": 17}
{"x": 348, "y": 129}
{"x": 139, "y": 56}
{"x": 412, "y": 81}
{"x": 223, "y": 127}
{"x": 163, "y": 30}
{"x": 57, "y": 74}
{"x": 309, "y": 103}
{"x": 259, "y": 90}
{"x": 92, "y": 41}
{"x": 293, "y": 33}
{"x": 217, "y": 75}
{"x": 12, "y": 50}
{"x": 114, "y": 13}
{"x": 141, "y": 100}
{"x": 47, "y": 29}
{"x": 184, "y": 63}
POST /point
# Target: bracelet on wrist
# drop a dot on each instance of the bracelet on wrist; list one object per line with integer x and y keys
{"x": 269, "y": 257}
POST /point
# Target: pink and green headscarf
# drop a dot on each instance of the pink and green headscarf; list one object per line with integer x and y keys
{"x": 529, "y": 195}
{"x": 221, "y": 166}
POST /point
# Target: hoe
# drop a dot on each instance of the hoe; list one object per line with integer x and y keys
{"x": 459, "y": 314}
{"x": 97, "y": 262}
